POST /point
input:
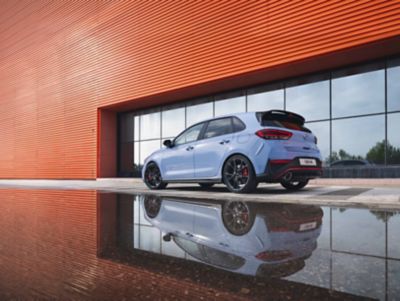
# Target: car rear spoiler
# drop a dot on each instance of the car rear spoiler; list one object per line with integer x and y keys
{"x": 280, "y": 115}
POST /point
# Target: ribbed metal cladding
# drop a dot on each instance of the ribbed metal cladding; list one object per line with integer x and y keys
{"x": 61, "y": 60}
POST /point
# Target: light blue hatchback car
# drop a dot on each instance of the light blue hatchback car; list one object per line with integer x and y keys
{"x": 239, "y": 150}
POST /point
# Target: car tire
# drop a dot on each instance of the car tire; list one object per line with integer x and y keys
{"x": 294, "y": 185}
{"x": 206, "y": 185}
{"x": 238, "y": 174}
{"x": 152, "y": 205}
{"x": 238, "y": 217}
{"x": 152, "y": 177}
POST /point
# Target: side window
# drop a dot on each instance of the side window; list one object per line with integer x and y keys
{"x": 238, "y": 125}
{"x": 190, "y": 135}
{"x": 218, "y": 127}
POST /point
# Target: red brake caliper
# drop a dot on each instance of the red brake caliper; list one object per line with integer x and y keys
{"x": 245, "y": 172}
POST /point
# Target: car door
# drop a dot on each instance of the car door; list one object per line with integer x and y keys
{"x": 211, "y": 149}
{"x": 177, "y": 162}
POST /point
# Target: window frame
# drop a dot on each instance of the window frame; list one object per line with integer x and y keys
{"x": 216, "y": 119}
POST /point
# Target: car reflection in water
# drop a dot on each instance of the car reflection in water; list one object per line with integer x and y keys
{"x": 266, "y": 240}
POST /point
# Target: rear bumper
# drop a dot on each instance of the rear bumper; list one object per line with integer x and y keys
{"x": 276, "y": 170}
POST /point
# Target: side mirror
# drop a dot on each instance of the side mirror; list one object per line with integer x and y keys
{"x": 168, "y": 143}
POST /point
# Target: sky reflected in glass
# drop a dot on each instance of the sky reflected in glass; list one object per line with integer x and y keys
{"x": 309, "y": 100}
{"x": 358, "y": 94}
{"x": 197, "y": 113}
{"x": 393, "y": 87}
{"x": 150, "y": 126}
{"x": 265, "y": 101}
{"x": 230, "y": 106}
{"x": 173, "y": 122}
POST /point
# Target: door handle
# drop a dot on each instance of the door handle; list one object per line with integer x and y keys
{"x": 189, "y": 148}
{"x": 224, "y": 141}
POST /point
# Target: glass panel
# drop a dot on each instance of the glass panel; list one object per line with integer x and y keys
{"x": 321, "y": 131}
{"x": 218, "y": 127}
{"x": 136, "y": 127}
{"x": 230, "y": 106}
{"x": 150, "y": 239}
{"x": 264, "y": 99}
{"x": 136, "y": 160}
{"x": 238, "y": 124}
{"x": 309, "y": 100}
{"x": 393, "y": 150}
{"x": 357, "y": 138}
{"x": 125, "y": 127}
{"x": 358, "y": 94}
{"x": 173, "y": 122}
{"x": 349, "y": 222}
{"x": 150, "y": 126}
{"x": 393, "y": 218}
{"x": 393, "y": 85}
{"x": 147, "y": 148}
{"x": 126, "y": 159}
{"x": 197, "y": 113}
{"x": 189, "y": 135}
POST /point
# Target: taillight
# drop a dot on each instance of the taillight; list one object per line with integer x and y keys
{"x": 271, "y": 134}
{"x": 273, "y": 255}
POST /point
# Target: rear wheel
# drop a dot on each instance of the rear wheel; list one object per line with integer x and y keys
{"x": 152, "y": 177}
{"x": 238, "y": 217}
{"x": 238, "y": 174}
{"x": 206, "y": 185}
{"x": 294, "y": 185}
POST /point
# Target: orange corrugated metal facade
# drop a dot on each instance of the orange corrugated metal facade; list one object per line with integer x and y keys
{"x": 60, "y": 61}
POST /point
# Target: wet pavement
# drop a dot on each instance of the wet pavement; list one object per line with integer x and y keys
{"x": 87, "y": 245}
{"x": 354, "y": 194}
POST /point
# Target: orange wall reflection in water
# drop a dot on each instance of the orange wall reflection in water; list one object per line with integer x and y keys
{"x": 48, "y": 250}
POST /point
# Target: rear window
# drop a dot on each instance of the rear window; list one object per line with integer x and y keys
{"x": 282, "y": 119}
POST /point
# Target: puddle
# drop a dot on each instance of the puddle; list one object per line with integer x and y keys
{"x": 85, "y": 245}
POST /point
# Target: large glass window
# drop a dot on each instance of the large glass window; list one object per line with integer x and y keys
{"x": 199, "y": 112}
{"x": 150, "y": 126}
{"x": 322, "y": 132}
{"x": 136, "y": 128}
{"x": 230, "y": 105}
{"x": 355, "y": 92}
{"x": 265, "y": 98}
{"x": 359, "y": 138}
{"x": 147, "y": 148}
{"x": 311, "y": 100}
{"x": 345, "y": 96}
{"x": 218, "y": 127}
{"x": 393, "y": 85}
{"x": 173, "y": 122}
{"x": 393, "y": 143}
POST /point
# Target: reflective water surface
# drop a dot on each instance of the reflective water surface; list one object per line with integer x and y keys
{"x": 84, "y": 245}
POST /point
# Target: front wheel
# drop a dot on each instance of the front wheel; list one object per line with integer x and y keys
{"x": 294, "y": 185}
{"x": 152, "y": 177}
{"x": 238, "y": 174}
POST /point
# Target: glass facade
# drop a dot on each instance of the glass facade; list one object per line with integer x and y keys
{"x": 354, "y": 112}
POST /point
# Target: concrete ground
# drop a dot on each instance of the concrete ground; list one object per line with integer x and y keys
{"x": 369, "y": 193}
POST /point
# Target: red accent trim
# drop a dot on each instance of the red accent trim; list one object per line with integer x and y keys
{"x": 282, "y": 161}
